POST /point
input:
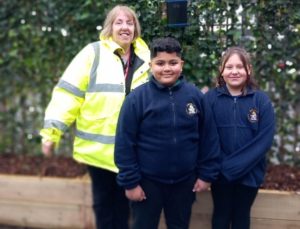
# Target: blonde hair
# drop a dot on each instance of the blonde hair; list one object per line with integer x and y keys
{"x": 113, "y": 14}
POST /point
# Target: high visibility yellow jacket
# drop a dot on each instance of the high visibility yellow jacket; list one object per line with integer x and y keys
{"x": 90, "y": 93}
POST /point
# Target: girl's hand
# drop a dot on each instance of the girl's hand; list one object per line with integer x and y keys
{"x": 200, "y": 185}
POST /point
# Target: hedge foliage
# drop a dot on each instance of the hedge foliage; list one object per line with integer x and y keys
{"x": 40, "y": 37}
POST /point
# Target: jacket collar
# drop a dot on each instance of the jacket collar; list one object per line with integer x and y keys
{"x": 223, "y": 90}
{"x": 139, "y": 45}
{"x": 112, "y": 45}
{"x": 175, "y": 87}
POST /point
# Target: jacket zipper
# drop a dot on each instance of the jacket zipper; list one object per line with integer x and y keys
{"x": 234, "y": 119}
{"x": 174, "y": 116}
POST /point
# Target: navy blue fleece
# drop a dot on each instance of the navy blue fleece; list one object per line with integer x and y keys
{"x": 162, "y": 137}
{"x": 244, "y": 139}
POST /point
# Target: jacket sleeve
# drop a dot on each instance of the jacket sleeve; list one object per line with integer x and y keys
{"x": 209, "y": 156}
{"x": 243, "y": 160}
{"x": 125, "y": 145}
{"x": 67, "y": 96}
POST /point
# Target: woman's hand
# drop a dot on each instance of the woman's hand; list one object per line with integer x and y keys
{"x": 48, "y": 148}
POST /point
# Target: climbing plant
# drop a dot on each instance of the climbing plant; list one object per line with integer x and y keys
{"x": 40, "y": 37}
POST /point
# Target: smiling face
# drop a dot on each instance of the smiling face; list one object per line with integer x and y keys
{"x": 234, "y": 74}
{"x": 166, "y": 68}
{"x": 123, "y": 30}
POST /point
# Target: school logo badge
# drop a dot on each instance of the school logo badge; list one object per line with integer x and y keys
{"x": 253, "y": 115}
{"x": 191, "y": 109}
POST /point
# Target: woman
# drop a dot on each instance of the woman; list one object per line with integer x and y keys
{"x": 245, "y": 120}
{"x": 90, "y": 93}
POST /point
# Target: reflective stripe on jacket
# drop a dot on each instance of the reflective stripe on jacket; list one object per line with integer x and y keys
{"x": 91, "y": 92}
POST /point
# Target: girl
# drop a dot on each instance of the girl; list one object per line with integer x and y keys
{"x": 245, "y": 121}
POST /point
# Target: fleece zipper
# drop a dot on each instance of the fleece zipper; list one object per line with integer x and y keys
{"x": 234, "y": 119}
{"x": 173, "y": 113}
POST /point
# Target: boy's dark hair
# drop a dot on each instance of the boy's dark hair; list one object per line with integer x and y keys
{"x": 165, "y": 44}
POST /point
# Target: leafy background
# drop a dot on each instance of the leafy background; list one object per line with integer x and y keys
{"x": 40, "y": 37}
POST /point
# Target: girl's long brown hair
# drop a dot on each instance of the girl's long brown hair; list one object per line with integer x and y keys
{"x": 246, "y": 60}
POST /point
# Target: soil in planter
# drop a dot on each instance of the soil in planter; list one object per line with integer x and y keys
{"x": 57, "y": 166}
{"x": 278, "y": 177}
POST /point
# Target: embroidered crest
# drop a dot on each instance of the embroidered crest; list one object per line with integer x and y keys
{"x": 253, "y": 115}
{"x": 191, "y": 109}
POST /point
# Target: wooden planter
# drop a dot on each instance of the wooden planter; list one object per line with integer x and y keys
{"x": 37, "y": 202}
{"x": 272, "y": 209}
{"x": 61, "y": 203}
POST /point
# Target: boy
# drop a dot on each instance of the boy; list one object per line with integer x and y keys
{"x": 160, "y": 149}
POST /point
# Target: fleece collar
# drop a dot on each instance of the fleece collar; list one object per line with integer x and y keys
{"x": 174, "y": 87}
{"x": 223, "y": 90}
